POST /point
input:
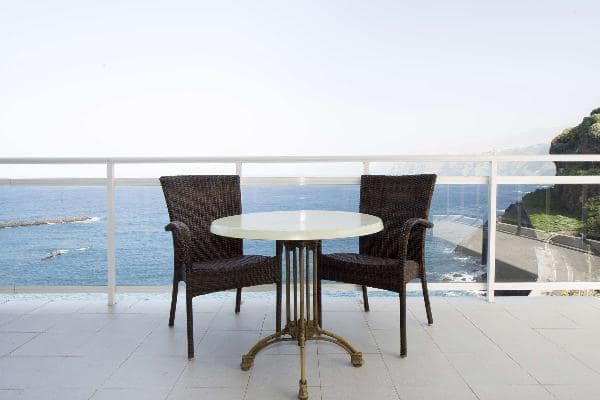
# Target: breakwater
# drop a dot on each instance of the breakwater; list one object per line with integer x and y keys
{"x": 61, "y": 220}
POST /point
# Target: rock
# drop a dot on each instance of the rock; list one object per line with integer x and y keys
{"x": 516, "y": 214}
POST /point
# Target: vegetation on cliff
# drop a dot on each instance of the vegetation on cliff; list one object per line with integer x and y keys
{"x": 573, "y": 209}
{"x": 547, "y": 214}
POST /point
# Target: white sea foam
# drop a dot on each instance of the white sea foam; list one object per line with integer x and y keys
{"x": 89, "y": 220}
{"x": 463, "y": 276}
{"x": 60, "y": 252}
{"x": 55, "y": 253}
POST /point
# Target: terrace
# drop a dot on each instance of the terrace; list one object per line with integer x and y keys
{"x": 74, "y": 347}
{"x": 90, "y": 345}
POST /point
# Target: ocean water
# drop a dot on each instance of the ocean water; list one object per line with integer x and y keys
{"x": 75, "y": 253}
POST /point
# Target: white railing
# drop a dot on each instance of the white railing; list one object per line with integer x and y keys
{"x": 492, "y": 179}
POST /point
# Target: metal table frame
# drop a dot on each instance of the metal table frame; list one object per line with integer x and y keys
{"x": 301, "y": 325}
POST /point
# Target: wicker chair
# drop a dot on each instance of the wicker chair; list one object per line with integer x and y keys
{"x": 391, "y": 258}
{"x": 206, "y": 262}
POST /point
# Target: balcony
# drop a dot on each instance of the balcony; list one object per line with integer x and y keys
{"x": 59, "y": 338}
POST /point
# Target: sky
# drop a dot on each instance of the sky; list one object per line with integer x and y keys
{"x": 196, "y": 78}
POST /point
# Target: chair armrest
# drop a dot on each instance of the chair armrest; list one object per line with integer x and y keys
{"x": 405, "y": 232}
{"x": 182, "y": 242}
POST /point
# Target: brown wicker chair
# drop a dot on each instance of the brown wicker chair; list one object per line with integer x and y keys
{"x": 206, "y": 262}
{"x": 391, "y": 258}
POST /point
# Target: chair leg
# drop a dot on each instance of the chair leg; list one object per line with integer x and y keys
{"x": 238, "y": 299}
{"x": 173, "y": 301}
{"x": 365, "y": 298}
{"x": 319, "y": 304}
{"x": 190, "y": 325}
{"x": 278, "y": 308}
{"x": 426, "y": 298}
{"x": 403, "y": 348}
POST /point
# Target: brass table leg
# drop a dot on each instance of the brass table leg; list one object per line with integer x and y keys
{"x": 304, "y": 325}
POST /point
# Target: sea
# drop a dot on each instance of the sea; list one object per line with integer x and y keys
{"x": 74, "y": 253}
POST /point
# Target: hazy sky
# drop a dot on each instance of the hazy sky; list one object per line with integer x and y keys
{"x": 95, "y": 78}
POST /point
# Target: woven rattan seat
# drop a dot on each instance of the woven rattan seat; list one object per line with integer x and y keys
{"x": 360, "y": 269}
{"x": 209, "y": 263}
{"x": 390, "y": 258}
{"x": 233, "y": 272}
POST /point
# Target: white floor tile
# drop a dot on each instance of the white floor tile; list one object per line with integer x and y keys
{"x": 490, "y": 368}
{"x": 215, "y": 393}
{"x": 459, "y": 391}
{"x": 418, "y": 341}
{"x": 13, "y": 340}
{"x": 60, "y": 307}
{"x": 31, "y": 323}
{"x": 131, "y": 394}
{"x": 358, "y": 391}
{"x": 422, "y": 370}
{"x": 5, "y": 318}
{"x": 214, "y": 372}
{"x": 574, "y": 392}
{"x": 561, "y": 370}
{"x": 147, "y": 371}
{"x": 226, "y": 343}
{"x": 340, "y": 380}
{"x": 279, "y": 392}
{"x": 244, "y": 321}
{"x": 54, "y": 344}
{"x": 513, "y": 392}
{"x": 48, "y": 393}
{"x": 21, "y": 306}
{"x": 283, "y": 372}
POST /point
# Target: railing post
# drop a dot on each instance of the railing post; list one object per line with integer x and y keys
{"x": 491, "y": 234}
{"x": 110, "y": 232}
{"x": 238, "y": 169}
{"x": 365, "y": 168}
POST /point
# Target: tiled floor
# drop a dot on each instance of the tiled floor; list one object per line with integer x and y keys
{"x": 75, "y": 347}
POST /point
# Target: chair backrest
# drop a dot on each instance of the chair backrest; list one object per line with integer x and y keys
{"x": 395, "y": 199}
{"x": 197, "y": 200}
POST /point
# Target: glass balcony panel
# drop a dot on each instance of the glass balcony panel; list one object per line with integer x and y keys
{"x": 548, "y": 168}
{"x": 24, "y": 171}
{"x": 158, "y": 170}
{"x": 527, "y": 168}
{"x": 52, "y": 235}
{"x": 144, "y": 250}
{"x": 453, "y": 249}
{"x": 548, "y": 233}
{"x": 454, "y": 168}
{"x": 316, "y": 169}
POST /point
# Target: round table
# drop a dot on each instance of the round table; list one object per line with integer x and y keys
{"x": 298, "y": 235}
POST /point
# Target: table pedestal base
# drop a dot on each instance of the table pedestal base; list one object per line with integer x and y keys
{"x": 300, "y": 324}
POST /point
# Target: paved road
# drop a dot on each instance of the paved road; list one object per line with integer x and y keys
{"x": 519, "y": 258}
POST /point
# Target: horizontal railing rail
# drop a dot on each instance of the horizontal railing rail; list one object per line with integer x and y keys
{"x": 305, "y": 159}
{"x": 492, "y": 179}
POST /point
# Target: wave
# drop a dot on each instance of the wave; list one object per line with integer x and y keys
{"x": 90, "y": 220}
{"x": 55, "y": 253}
{"x": 463, "y": 276}
{"x": 61, "y": 252}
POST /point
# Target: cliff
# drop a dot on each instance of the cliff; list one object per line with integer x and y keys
{"x": 576, "y": 206}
